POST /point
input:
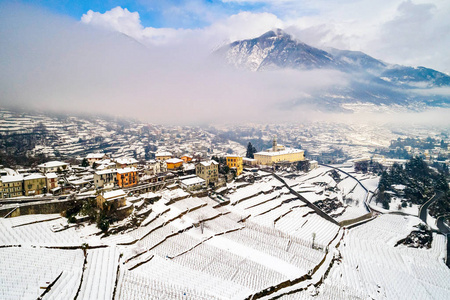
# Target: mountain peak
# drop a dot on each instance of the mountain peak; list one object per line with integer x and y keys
{"x": 275, "y": 33}
{"x": 276, "y": 49}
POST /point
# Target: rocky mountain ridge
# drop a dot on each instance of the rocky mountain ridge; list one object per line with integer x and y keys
{"x": 372, "y": 80}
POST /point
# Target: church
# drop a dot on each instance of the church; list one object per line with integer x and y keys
{"x": 278, "y": 153}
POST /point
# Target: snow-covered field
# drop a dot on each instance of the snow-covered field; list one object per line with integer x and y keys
{"x": 372, "y": 266}
{"x": 320, "y": 185}
{"x": 195, "y": 248}
{"x": 27, "y": 271}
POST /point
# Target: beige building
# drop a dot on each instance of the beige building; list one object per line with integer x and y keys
{"x": 52, "y": 182}
{"x": 278, "y": 153}
{"x": 105, "y": 179}
{"x": 12, "y": 186}
{"x": 53, "y": 166}
{"x": 192, "y": 184}
{"x": 163, "y": 156}
{"x": 289, "y": 155}
{"x": 154, "y": 167}
{"x": 126, "y": 162}
{"x": 208, "y": 170}
{"x": 34, "y": 184}
{"x": 95, "y": 157}
{"x": 249, "y": 161}
{"x": 115, "y": 198}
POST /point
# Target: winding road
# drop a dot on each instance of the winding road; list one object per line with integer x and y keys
{"x": 445, "y": 230}
{"x": 439, "y": 222}
{"x": 442, "y": 227}
{"x": 423, "y": 210}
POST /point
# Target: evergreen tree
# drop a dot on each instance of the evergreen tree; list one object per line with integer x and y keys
{"x": 397, "y": 174}
{"x": 250, "y": 151}
{"x": 303, "y": 165}
{"x": 362, "y": 166}
{"x": 84, "y": 163}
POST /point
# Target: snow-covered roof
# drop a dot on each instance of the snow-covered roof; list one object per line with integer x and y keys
{"x": 149, "y": 195}
{"x": 107, "y": 171}
{"x": 10, "y": 172}
{"x": 34, "y": 176}
{"x": 106, "y": 166}
{"x": 126, "y": 170}
{"x": 187, "y": 176}
{"x": 232, "y": 155}
{"x": 53, "y": 164}
{"x": 112, "y": 195}
{"x": 163, "y": 154}
{"x": 275, "y": 153}
{"x": 14, "y": 178}
{"x": 95, "y": 155}
{"x": 78, "y": 182}
{"x": 208, "y": 163}
{"x": 126, "y": 160}
{"x": 172, "y": 194}
{"x": 51, "y": 175}
{"x": 188, "y": 167}
{"x": 193, "y": 181}
{"x": 104, "y": 161}
{"x": 174, "y": 161}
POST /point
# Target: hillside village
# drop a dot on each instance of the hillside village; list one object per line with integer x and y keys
{"x": 132, "y": 210}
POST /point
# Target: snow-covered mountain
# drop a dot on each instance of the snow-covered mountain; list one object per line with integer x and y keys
{"x": 372, "y": 80}
{"x": 277, "y": 49}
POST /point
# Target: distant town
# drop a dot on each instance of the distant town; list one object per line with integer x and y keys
{"x": 56, "y": 155}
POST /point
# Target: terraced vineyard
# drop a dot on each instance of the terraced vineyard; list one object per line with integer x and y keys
{"x": 264, "y": 242}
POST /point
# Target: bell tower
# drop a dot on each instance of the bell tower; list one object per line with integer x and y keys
{"x": 274, "y": 144}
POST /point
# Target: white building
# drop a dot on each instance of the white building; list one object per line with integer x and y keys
{"x": 193, "y": 183}
{"x": 154, "y": 167}
{"x": 95, "y": 157}
{"x": 124, "y": 162}
{"x": 105, "y": 179}
{"x": 163, "y": 155}
{"x": 53, "y": 166}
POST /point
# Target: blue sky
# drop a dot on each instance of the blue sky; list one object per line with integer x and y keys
{"x": 158, "y": 14}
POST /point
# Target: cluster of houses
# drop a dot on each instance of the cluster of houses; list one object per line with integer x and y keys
{"x": 438, "y": 153}
{"x": 102, "y": 173}
{"x": 14, "y": 184}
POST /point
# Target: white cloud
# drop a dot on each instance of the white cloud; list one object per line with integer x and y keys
{"x": 239, "y": 26}
{"x": 402, "y": 32}
{"x": 129, "y": 23}
{"x": 243, "y": 25}
{"x": 119, "y": 19}
{"x": 417, "y": 35}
